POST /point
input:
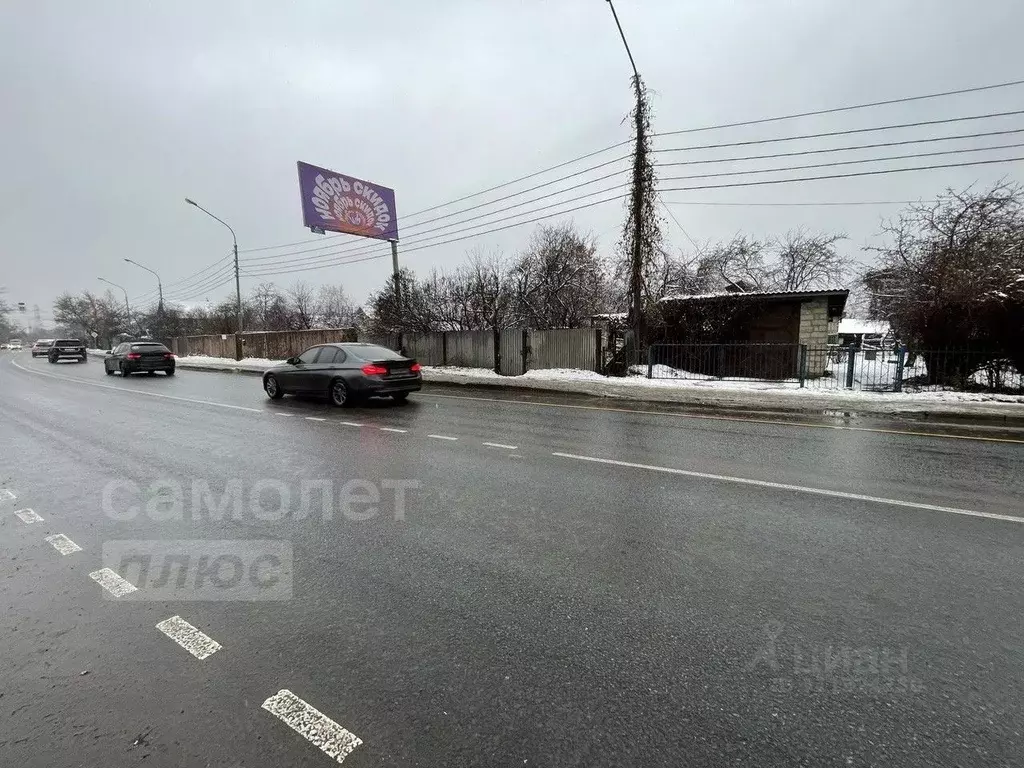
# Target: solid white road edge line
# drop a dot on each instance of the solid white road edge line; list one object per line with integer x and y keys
{"x": 797, "y": 488}
{"x": 392, "y": 429}
{"x": 503, "y": 446}
{"x": 137, "y": 391}
{"x": 29, "y": 516}
{"x": 113, "y": 583}
{"x": 188, "y": 637}
{"x": 63, "y": 544}
{"x": 312, "y": 724}
{"x": 442, "y": 437}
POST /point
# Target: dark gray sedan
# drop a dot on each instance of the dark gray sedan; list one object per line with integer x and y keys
{"x": 345, "y": 373}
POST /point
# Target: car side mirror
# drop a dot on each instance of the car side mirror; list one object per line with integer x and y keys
{"x": 292, "y": 361}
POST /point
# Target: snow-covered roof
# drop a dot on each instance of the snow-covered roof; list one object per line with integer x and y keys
{"x": 760, "y": 294}
{"x": 854, "y": 325}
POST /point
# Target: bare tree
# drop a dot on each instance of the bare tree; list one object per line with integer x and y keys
{"x": 333, "y": 307}
{"x": 302, "y": 305}
{"x": 953, "y": 272}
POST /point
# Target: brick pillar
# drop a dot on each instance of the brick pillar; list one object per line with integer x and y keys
{"x": 814, "y": 328}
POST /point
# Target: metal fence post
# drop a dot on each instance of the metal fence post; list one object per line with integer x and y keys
{"x": 901, "y": 361}
{"x": 497, "y": 350}
{"x": 444, "y": 348}
{"x": 650, "y": 362}
{"x": 598, "y": 362}
{"x": 852, "y": 351}
{"x": 802, "y": 373}
{"x": 526, "y": 349}
{"x": 721, "y": 361}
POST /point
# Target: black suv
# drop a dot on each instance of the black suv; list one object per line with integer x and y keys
{"x": 65, "y": 349}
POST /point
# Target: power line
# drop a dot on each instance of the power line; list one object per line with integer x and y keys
{"x": 798, "y": 205}
{"x": 681, "y": 228}
{"x": 283, "y": 261}
{"x": 472, "y": 218}
{"x": 359, "y": 248}
{"x": 416, "y": 247}
{"x": 847, "y": 132}
{"x": 876, "y": 145}
{"x": 850, "y": 108}
{"x": 844, "y": 175}
{"x": 698, "y": 129}
{"x": 200, "y": 286}
{"x": 180, "y": 283}
{"x": 844, "y": 162}
{"x": 456, "y": 239}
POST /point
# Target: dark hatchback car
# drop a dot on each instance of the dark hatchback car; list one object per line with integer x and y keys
{"x": 138, "y": 356}
{"x": 345, "y": 373}
{"x": 66, "y": 349}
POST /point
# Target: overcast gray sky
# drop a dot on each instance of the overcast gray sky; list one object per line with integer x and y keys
{"x": 115, "y": 110}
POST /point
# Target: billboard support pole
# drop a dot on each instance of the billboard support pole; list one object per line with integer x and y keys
{"x": 398, "y": 290}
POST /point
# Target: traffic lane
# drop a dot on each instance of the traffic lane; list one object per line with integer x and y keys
{"x": 90, "y": 681}
{"x": 483, "y": 566}
{"x": 971, "y": 474}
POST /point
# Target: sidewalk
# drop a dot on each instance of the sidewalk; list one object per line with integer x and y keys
{"x": 727, "y": 395}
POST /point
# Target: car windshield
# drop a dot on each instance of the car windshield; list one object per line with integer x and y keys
{"x": 372, "y": 352}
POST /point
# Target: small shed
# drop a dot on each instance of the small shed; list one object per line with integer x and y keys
{"x": 772, "y": 324}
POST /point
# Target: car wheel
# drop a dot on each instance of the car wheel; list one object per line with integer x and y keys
{"x": 401, "y": 397}
{"x": 272, "y": 387}
{"x": 169, "y": 371}
{"x": 151, "y": 373}
{"x": 124, "y": 371}
{"x": 338, "y": 393}
{"x": 52, "y": 360}
{"x": 108, "y": 370}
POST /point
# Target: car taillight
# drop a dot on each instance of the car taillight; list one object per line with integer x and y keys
{"x": 415, "y": 368}
{"x": 133, "y": 356}
{"x": 168, "y": 356}
{"x": 374, "y": 370}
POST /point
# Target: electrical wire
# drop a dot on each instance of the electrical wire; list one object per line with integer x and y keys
{"x": 417, "y": 247}
{"x": 719, "y": 126}
{"x": 447, "y": 230}
{"x": 850, "y": 148}
{"x": 844, "y": 162}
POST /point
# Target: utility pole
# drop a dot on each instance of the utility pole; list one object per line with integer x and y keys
{"x": 636, "y": 203}
{"x": 238, "y": 282}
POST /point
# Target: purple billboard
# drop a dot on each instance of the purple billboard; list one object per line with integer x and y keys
{"x": 338, "y": 203}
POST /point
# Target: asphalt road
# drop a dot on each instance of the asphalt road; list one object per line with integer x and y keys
{"x": 495, "y": 583}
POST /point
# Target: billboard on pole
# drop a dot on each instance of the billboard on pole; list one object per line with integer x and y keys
{"x": 335, "y": 202}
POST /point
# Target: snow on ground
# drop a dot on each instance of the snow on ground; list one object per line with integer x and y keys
{"x": 704, "y": 391}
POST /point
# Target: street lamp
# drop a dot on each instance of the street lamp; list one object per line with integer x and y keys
{"x": 127, "y": 310}
{"x": 238, "y": 285}
{"x": 159, "y": 285}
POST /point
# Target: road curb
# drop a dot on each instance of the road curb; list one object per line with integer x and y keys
{"x": 704, "y": 401}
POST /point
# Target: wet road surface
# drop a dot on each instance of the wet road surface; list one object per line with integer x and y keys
{"x": 465, "y": 580}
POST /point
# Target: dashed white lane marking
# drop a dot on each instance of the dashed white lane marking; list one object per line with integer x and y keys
{"x": 503, "y": 446}
{"x": 278, "y": 413}
{"x": 312, "y": 724}
{"x": 7, "y": 495}
{"x": 797, "y": 488}
{"x": 350, "y": 423}
{"x": 63, "y": 544}
{"x": 113, "y": 583}
{"x": 29, "y": 516}
{"x": 392, "y": 429}
{"x": 443, "y": 437}
{"x": 315, "y": 418}
{"x": 87, "y": 383}
{"x": 188, "y": 637}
